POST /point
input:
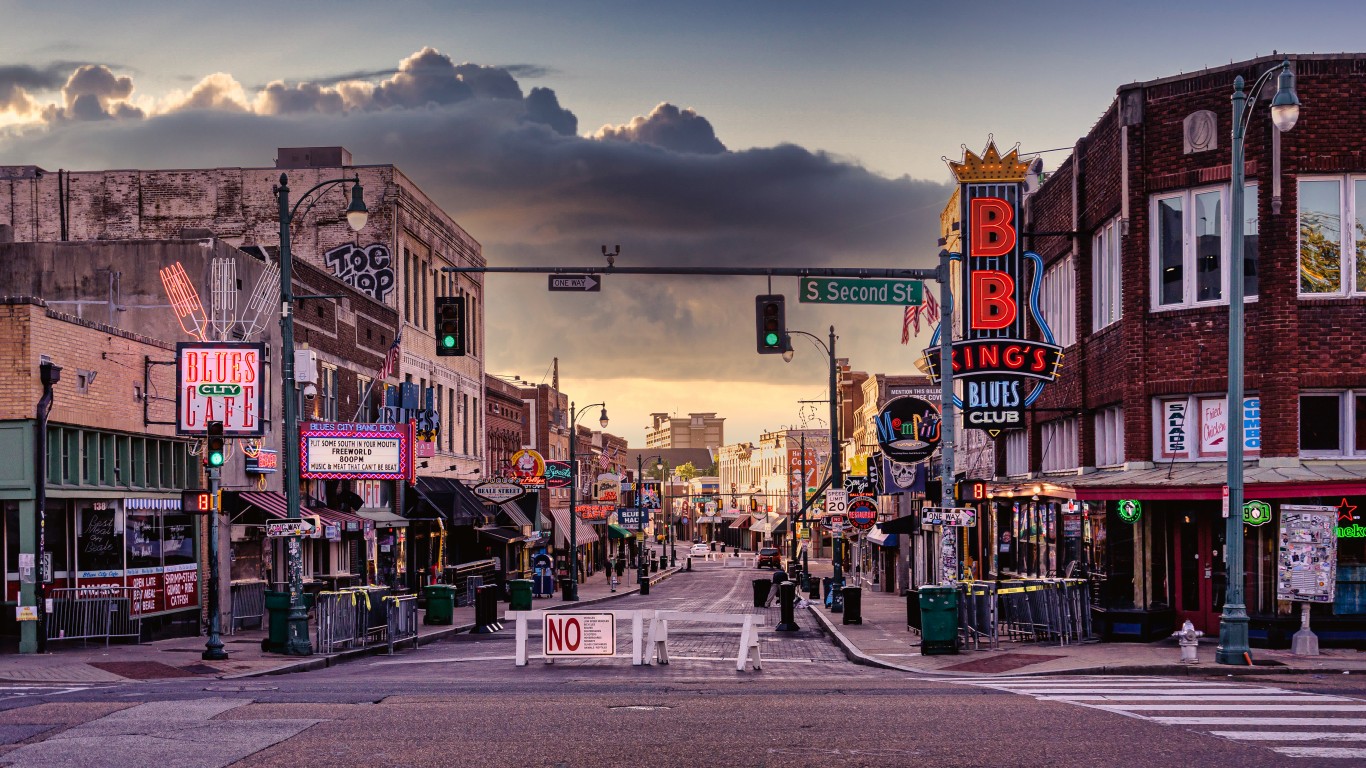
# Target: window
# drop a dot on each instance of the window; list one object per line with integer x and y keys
{"x": 1017, "y": 452}
{"x": 1333, "y": 423}
{"x": 1195, "y": 427}
{"x": 1105, "y": 276}
{"x": 1059, "y": 448}
{"x": 1060, "y": 301}
{"x": 1190, "y": 247}
{"x": 1110, "y": 436}
{"x": 1332, "y": 257}
{"x": 363, "y": 395}
{"x": 327, "y": 392}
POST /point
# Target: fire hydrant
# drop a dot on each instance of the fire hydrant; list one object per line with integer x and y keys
{"x": 1189, "y": 639}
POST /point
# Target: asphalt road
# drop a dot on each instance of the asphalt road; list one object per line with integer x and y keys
{"x": 462, "y": 702}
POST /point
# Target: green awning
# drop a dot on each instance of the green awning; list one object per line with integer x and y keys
{"x": 615, "y": 531}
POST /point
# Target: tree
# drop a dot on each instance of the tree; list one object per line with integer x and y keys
{"x": 686, "y": 471}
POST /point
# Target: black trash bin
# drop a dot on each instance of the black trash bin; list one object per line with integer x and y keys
{"x": 853, "y": 605}
{"x": 761, "y": 587}
{"x": 913, "y": 609}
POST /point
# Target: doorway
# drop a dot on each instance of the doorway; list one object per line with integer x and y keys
{"x": 1201, "y": 574}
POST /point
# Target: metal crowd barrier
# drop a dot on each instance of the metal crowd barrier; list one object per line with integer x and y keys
{"x": 402, "y": 610}
{"x": 336, "y": 613}
{"x": 1045, "y": 610}
{"x": 248, "y": 602}
{"x": 86, "y": 613}
{"x": 977, "y": 621}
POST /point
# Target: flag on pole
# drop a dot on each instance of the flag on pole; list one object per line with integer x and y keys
{"x": 927, "y": 310}
{"x": 391, "y": 357}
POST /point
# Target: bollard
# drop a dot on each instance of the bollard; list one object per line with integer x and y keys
{"x": 654, "y": 565}
{"x": 813, "y": 587}
{"x": 486, "y": 611}
{"x": 787, "y": 594}
{"x": 853, "y": 604}
{"x": 690, "y": 562}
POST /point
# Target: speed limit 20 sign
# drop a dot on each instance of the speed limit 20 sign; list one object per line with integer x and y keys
{"x": 836, "y": 501}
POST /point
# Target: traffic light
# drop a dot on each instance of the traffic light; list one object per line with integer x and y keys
{"x": 770, "y": 321}
{"x": 450, "y": 326}
{"x": 214, "y": 453}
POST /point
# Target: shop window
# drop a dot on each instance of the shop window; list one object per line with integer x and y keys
{"x": 71, "y": 456}
{"x": 108, "y": 460}
{"x": 1333, "y": 423}
{"x": 1190, "y": 247}
{"x": 139, "y": 463}
{"x": 1332, "y": 256}
{"x": 90, "y": 458}
{"x": 1196, "y": 427}
{"x": 1110, "y": 436}
{"x": 99, "y": 544}
{"x": 1058, "y": 302}
{"x": 1106, "y": 272}
{"x": 1059, "y": 445}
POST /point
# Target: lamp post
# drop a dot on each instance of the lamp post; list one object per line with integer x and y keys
{"x": 801, "y": 486}
{"x": 1285, "y": 111}
{"x": 571, "y": 590}
{"x": 836, "y": 462}
{"x": 297, "y": 642}
{"x": 642, "y": 573}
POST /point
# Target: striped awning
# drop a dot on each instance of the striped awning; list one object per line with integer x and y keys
{"x": 142, "y": 503}
{"x": 585, "y": 533}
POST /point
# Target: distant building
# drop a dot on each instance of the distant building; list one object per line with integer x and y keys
{"x": 697, "y": 430}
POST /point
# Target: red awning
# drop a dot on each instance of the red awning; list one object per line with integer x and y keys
{"x": 270, "y": 502}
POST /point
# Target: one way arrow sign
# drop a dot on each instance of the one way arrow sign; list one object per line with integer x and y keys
{"x": 583, "y": 283}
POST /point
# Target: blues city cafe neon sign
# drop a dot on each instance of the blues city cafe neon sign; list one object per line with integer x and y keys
{"x": 1003, "y": 372}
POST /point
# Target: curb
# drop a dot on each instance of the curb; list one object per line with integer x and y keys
{"x": 857, "y": 656}
{"x": 331, "y": 660}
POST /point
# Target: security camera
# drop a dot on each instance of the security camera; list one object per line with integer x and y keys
{"x": 310, "y": 391}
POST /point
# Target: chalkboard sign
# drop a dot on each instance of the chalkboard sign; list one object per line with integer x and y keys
{"x": 99, "y": 547}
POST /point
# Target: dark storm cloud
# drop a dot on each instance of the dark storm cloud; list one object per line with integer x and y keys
{"x": 515, "y": 175}
{"x": 667, "y": 126}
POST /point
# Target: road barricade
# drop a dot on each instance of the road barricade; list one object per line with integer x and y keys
{"x": 657, "y": 645}
{"x": 92, "y": 613}
{"x": 522, "y": 620}
{"x": 402, "y": 612}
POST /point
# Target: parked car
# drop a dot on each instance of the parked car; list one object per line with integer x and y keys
{"x": 769, "y": 557}
{"x": 699, "y": 549}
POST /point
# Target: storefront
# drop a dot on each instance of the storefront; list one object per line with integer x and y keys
{"x": 340, "y": 555}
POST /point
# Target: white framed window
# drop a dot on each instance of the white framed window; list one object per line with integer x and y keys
{"x": 1105, "y": 276}
{"x": 1110, "y": 436}
{"x": 1333, "y": 423}
{"x": 1017, "y": 452}
{"x": 1059, "y": 445}
{"x": 1196, "y": 427}
{"x": 1189, "y": 243}
{"x": 1332, "y": 256}
{"x": 327, "y": 392}
{"x": 1059, "y": 301}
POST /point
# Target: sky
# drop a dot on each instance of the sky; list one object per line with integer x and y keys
{"x": 702, "y": 133}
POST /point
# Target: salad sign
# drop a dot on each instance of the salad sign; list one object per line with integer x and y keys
{"x": 908, "y": 429}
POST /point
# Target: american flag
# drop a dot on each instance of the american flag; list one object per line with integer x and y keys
{"x": 391, "y": 357}
{"x": 928, "y": 310}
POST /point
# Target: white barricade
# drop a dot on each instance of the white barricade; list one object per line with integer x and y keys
{"x": 657, "y": 645}
{"x": 523, "y": 617}
{"x": 743, "y": 560}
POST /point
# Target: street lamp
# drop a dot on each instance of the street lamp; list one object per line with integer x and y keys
{"x": 801, "y": 485}
{"x": 1285, "y": 110}
{"x": 571, "y": 590}
{"x": 836, "y": 462}
{"x": 297, "y": 642}
{"x": 642, "y": 573}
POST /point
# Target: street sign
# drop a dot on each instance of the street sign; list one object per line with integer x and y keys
{"x": 954, "y": 517}
{"x": 499, "y": 492}
{"x": 577, "y": 283}
{"x": 836, "y": 501}
{"x": 862, "y": 513}
{"x": 834, "y": 523}
{"x": 830, "y": 290}
{"x": 306, "y": 527}
{"x": 580, "y": 634}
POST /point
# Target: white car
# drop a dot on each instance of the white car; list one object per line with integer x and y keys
{"x": 699, "y": 549}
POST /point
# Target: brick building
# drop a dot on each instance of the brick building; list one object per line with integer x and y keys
{"x": 507, "y": 427}
{"x": 696, "y": 430}
{"x": 1136, "y": 290}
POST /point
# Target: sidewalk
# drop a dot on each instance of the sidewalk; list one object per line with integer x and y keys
{"x": 883, "y": 640}
{"x": 91, "y": 663}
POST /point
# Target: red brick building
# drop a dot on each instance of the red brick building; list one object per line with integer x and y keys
{"x": 1135, "y": 289}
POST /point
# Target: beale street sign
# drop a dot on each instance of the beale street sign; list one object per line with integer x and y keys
{"x": 829, "y": 290}
{"x": 219, "y": 381}
{"x": 1003, "y": 370}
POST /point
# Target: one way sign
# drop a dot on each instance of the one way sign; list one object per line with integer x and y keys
{"x": 583, "y": 283}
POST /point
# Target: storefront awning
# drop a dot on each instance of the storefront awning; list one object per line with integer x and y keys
{"x": 514, "y": 513}
{"x": 1205, "y": 480}
{"x": 904, "y": 524}
{"x": 383, "y": 518}
{"x": 585, "y": 532}
{"x": 448, "y": 499}
{"x": 270, "y": 502}
{"x": 500, "y": 534}
{"x": 615, "y": 531}
{"x": 742, "y": 522}
{"x": 882, "y": 539}
{"x": 709, "y": 519}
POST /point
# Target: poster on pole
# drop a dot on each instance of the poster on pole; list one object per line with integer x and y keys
{"x": 1307, "y": 567}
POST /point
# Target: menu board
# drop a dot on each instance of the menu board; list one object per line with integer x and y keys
{"x": 1307, "y": 568}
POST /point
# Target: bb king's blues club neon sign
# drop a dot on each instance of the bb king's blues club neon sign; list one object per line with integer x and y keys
{"x": 1003, "y": 372}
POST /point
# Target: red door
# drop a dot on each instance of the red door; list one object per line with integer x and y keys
{"x": 1201, "y": 575}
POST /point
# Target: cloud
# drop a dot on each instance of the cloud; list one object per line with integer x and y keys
{"x": 94, "y": 92}
{"x": 542, "y": 106}
{"x": 217, "y": 91}
{"x": 670, "y": 128}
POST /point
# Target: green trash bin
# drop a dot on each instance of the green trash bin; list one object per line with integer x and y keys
{"x": 938, "y": 620}
{"x": 440, "y": 604}
{"x": 277, "y": 613}
{"x": 519, "y": 593}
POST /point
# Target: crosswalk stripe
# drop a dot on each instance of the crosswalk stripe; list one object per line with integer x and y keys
{"x": 1260, "y": 721}
{"x": 1232, "y": 697}
{"x": 1344, "y": 752}
{"x": 1239, "y": 708}
{"x": 1290, "y": 736}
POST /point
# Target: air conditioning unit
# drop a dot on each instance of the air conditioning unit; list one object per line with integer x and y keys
{"x": 305, "y": 366}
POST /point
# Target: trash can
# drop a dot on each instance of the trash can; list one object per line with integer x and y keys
{"x": 440, "y": 603}
{"x": 713, "y": 546}
{"x": 761, "y": 587}
{"x": 853, "y": 605}
{"x": 938, "y": 620}
{"x": 520, "y": 590}
{"x": 277, "y": 609}
{"x": 912, "y": 610}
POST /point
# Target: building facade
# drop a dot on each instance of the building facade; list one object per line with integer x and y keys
{"x": 697, "y": 430}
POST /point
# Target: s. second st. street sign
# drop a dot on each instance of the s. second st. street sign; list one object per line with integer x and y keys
{"x": 831, "y": 290}
{"x": 578, "y": 283}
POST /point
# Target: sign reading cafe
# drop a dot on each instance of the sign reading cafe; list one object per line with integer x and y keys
{"x": 1003, "y": 371}
{"x": 219, "y": 381}
{"x": 351, "y": 451}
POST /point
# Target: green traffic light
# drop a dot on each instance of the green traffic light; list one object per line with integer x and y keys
{"x": 448, "y": 341}
{"x": 216, "y": 459}
{"x": 771, "y": 339}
